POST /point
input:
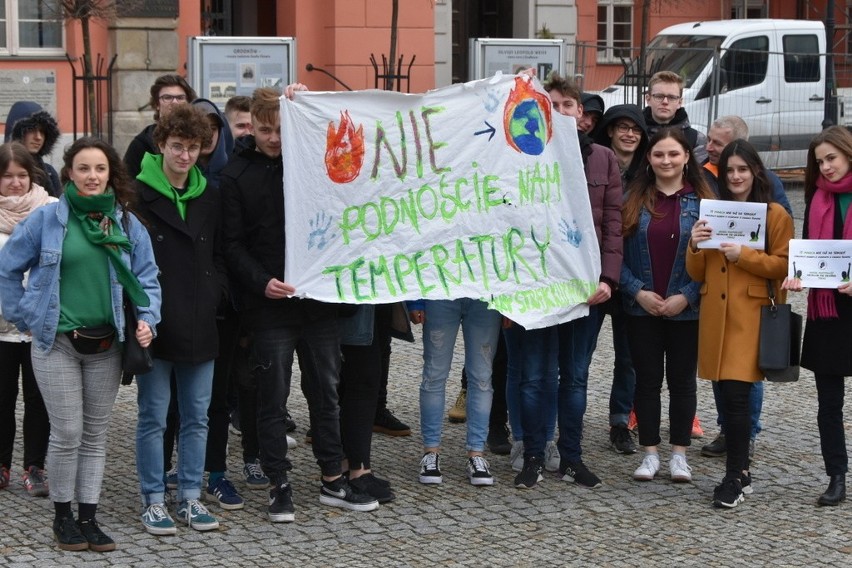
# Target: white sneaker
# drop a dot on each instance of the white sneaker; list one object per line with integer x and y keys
{"x": 551, "y": 456}
{"x": 681, "y": 472}
{"x": 516, "y": 455}
{"x": 291, "y": 442}
{"x": 649, "y": 468}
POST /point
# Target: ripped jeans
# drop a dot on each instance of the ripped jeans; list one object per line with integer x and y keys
{"x": 481, "y": 331}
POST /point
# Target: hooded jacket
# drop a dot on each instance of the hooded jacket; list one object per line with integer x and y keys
{"x": 217, "y": 161}
{"x": 602, "y": 137}
{"x": 696, "y": 139}
{"x": 141, "y": 144}
{"x": 28, "y": 115}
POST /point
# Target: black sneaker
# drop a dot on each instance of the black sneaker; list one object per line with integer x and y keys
{"x": 478, "y": 472}
{"x": 577, "y": 472}
{"x": 386, "y": 423}
{"x": 717, "y": 448}
{"x": 498, "y": 440}
{"x": 68, "y": 534}
{"x": 309, "y": 436}
{"x": 339, "y": 493}
{"x": 430, "y": 468}
{"x": 530, "y": 474}
{"x": 98, "y": 541}
{"x": 281, "y": 503}
{"x": 728, "y": 494}
{"x": 369, "y": 484}
{"x": 622, "y": 440}
{"x": 289, "y": 423}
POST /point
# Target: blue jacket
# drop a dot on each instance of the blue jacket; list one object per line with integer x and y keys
{"x": 36, "y": 245}
{"x": 636, "y": 268}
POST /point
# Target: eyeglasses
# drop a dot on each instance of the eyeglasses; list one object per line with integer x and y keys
{"x": 172, "y": 98}
{"x": 659, "y": 97}
{"x": 179, "y": 149}
{"x": 625, "y": 128}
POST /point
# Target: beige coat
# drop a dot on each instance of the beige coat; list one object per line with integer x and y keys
{"x": 731, "y": 296}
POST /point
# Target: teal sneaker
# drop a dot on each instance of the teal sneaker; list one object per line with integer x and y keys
{"x": 157, "y": 520}
{"x": 196, "y": 515}
{"x": 224, "y": 493}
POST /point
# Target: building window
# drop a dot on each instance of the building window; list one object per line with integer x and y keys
{"x": 31, "y": 27}
{"x": 748, "y": 9}
{"x": 615, "y": 30}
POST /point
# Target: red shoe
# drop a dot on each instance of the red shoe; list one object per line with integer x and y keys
{"x": 697, "y": 431}
{"x": 632, "y": 423}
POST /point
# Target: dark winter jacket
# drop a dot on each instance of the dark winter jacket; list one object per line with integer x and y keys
{"x": 142, "y": 143}
{"x": 602, "y": 137}
{"x": 697, "y": 140}
{"x": 224, "y": 146}
{"x": 253, "y": 193}
{"x": 28, "y": 115}
{"x": 192, "y": 272}
{"x": 605, "y": 196}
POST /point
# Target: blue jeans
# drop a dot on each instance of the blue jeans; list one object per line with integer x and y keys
{"x": 533, "y": 366}
{"x": 513, "y": 406}
{"x": 194, "y": 385}
{"x": 577, "y": 341}
{"x": 755, "y": 407}
{"x": 481, "y": 331}
{"x": 271, "y": 362}
{"x": 623, "y": 375}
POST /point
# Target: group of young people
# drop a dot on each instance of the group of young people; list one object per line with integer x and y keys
{"x": 213, "y": 304}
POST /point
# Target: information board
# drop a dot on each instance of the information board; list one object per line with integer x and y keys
{"x": 487, "y": 56}
{"x": 221, "y": 67}
{"x": 37, "y": 85}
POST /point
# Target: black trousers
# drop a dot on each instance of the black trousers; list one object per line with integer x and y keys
{"x": 15, "y": 358}
{"x": 664, "y": 348}
{"x": 832, "y": 438}
{"x": 737, "y": 420}
{"x": 361, "y": 375}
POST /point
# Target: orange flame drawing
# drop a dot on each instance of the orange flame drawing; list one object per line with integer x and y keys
{"x": 344, "y": 150}
{"x": 527, "y": 118}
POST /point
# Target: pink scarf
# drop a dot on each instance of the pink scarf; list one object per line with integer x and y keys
{"x": 821, "y": 226}
{"x": 14, "y": 208}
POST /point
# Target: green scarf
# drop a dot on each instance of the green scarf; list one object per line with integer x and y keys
{"x": 152, "y": 174}
{"x": 97, "y": 217}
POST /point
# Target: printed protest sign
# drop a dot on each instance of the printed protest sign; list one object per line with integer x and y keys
{"x": 737, "y": 222}
{"x": 820, "y": 263}
{"x": 471, "y": 191}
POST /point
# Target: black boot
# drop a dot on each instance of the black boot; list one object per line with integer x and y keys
{"x": 836, "y": 491}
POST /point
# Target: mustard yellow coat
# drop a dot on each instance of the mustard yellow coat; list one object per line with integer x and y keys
{"x": 731, "y": 296}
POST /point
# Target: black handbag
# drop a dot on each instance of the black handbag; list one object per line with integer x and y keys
{"x": 780, "y": 340}
{"x": 136, "y": 360}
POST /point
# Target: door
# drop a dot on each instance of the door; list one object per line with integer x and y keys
{"x": 477, "y": 19}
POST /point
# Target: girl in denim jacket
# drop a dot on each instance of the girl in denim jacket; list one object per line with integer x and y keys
{"x": 660, "y": 299}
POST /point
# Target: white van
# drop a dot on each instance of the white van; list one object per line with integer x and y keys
{"x": 769, "y": 72}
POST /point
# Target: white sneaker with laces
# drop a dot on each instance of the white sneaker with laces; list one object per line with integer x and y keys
{"x": 551, "y": 456}
{"x": 681, "y": 472}
{"x": 649, "y": 468}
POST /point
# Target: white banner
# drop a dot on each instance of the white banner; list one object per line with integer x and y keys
{"x": 475, "y": 190}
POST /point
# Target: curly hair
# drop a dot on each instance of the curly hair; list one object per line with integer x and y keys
{"x": 118, "y": 179}
{"x": 186, "y": 121}
{"x": 17, "y": 153}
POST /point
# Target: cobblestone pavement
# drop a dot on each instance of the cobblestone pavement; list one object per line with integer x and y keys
{"x": 624, "y": 523}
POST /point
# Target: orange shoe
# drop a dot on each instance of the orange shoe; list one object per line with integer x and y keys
{"x": 697, "y": 431}
{"x": 632, "y": 423}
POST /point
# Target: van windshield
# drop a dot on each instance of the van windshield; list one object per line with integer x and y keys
{"x": 686, "y": 55}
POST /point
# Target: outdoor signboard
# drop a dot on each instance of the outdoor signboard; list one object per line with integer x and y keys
{"x": 221, "y": 67}
{"x": 487, "y": 56}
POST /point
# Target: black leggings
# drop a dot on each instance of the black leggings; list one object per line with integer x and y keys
{"x": 832, "y": 438}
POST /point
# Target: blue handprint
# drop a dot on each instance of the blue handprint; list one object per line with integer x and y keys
{"x": 318, "y": 236}
{"x": 571, "y": 235}
{"x": 492, "y": 101}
